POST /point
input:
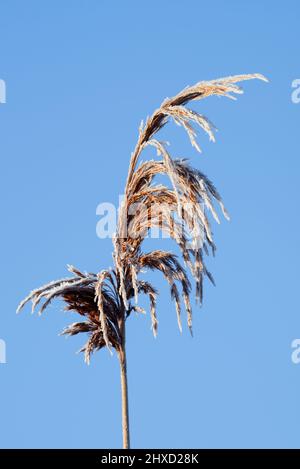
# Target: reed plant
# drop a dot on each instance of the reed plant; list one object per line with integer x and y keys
{"x": 182, "y": 209}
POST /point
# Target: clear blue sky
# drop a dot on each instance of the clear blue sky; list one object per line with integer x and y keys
{"x": 80, "y": 76}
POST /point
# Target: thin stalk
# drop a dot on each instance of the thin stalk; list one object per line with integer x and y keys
{"x": 124, "y": 391}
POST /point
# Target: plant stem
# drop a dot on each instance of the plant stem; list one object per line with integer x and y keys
{"x": 124, "y": 391}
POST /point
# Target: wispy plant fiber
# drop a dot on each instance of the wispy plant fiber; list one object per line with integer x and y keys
{"x": 181, "y": 209}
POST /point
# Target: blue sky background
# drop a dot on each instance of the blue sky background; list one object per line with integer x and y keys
{"x": 80, "y": 76}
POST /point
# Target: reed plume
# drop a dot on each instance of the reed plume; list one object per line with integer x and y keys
{"x": 181, "y": 209}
